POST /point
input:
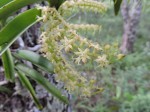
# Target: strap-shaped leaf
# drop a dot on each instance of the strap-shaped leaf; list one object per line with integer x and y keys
{"x": 36, "y": 59}
{"x": 42, "y": 81}
{"x": 117, "y": 4}
{"x": 4, "y": 2}
{"x": 13, "y": 6}
{"x": 24, "y": 80}
{"x": 4, "y": 47}
{"x": 17, "y": 26}
{"x": 8, "y": 65}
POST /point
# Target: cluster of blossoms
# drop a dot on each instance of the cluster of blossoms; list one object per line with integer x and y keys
{"x": 75, "y": 5}
{"x": 64, "y": 47}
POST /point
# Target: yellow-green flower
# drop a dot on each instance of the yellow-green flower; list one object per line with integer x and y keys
{"x": 67, "y": 44}
{"x": 120, "y": 56}
{"x": 83, "y": 41}
{"x": 95, "y": 46}
{"x": 107, "y": 47}
{"x": 102, "y": 60}
{"x": 82, "y": 55}
{"x": 86, "y": 92}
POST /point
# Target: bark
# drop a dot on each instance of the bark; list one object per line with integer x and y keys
{"x": 131, "y": 11}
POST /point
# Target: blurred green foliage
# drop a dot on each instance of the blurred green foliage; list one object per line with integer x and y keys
{"x": 125, "y": 81}
{"x": 140, "y": 103}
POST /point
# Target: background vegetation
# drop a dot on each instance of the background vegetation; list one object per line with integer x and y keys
{"x": 126, "y": 83}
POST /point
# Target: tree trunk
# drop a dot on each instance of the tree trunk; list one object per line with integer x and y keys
{"x": 131, "y": 11}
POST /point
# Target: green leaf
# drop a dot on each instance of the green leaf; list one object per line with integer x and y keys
{"x": 36, "y": 59}
{"x": 17, "y": 26}
{"x": 56, "y": 3}
{"x": 4, "y": 2}
{"x": 29, "y": 87}
{"x": 13, "y": 6}
{"x": 117, "y": 4}
{"x": 8, "y": 65}
{"x": 5, "y": 89}
{"x": 4, "y": 47}
{"x": 42, "y": 81}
